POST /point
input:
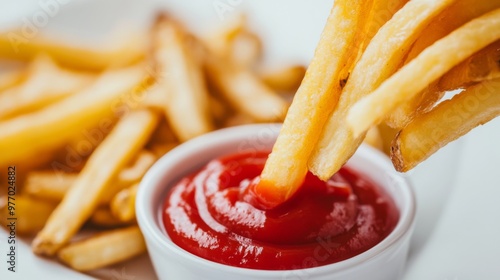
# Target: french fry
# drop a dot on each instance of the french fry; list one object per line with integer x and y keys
{"x": 39, "y": 88}
{"x": 123, "y": 204}
{"x": 483, "y": 65}
{"x": 451, "y": 18}
{"x": 457, "y": 14}
{"x": 104, "y": 249}
{"x": 284, "y": 79}
{"x": 316, "y": 97}
{"x": 52, "y": 185}
{"x": 103, "y": 165}
{"x": 430, "y": 65}
{"x": 387, "y": 134}
{"x": 379, "y": 12}
{"x": 381, "y": 59}
{"x": 31, "y": 214}
{"x": 181, "y": 78}
{"x": 130, "y": 51}
{"x": 48, "y": 185}
{"x": 104, "y": 218}
{"x": 156, "y": 97}
{"x": 28, "y": 135}
{"x": 420, "y": 103}
{"x": 228, "y": 71}
{"x": 239, "y": 85}
{"x": 448, "y": 121}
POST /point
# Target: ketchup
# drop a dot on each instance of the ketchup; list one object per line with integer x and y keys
{"x": 212, "y": 215}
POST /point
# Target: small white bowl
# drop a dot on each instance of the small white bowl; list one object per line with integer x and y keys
{"x": 385, "y": 261}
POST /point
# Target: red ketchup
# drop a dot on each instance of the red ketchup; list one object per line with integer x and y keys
{"x": 210, "y": 214}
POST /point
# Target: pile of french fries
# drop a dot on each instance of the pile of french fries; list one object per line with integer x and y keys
{"x": 83, "y": 126}
{"x": 390, "y": 80}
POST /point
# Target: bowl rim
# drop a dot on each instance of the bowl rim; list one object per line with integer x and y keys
{"x": 152, "y": 182}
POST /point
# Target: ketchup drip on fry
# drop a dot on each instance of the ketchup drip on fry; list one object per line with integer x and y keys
{"x": 212, "y": 214}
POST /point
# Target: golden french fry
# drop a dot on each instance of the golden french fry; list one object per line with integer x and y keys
{"x": 483, "y": 65}
{"x": 104, "y": 249}
{"x": 46, "y": 83}
{"x": 316, "y": 97}
{"x": 48, "y": 185}
{"x": 181, "y": 78}
{"x": 451, "y": 18}
{"x": 227, "y": 56}
{"x": 123, "y": 204}
{"x": 457, "y": 14}
{"x": 239, "y": 85}
{"x": 132, "y": 50}
{"x": 104, "y": 218}
{"x": 378, "y": 12}
{"x": 30, "y": 214}
{"x": 388, "y": 134}
{"x": 26, "y": 136}
{"x": 284, "y": 79}
{"x": 430, "y": 65}
{"x": 156, "y": 97}
{"x": 448, "y": 121}
{"x": 381, "y": 59}
{"x": 420, "y": 103}
{"x": 53, "y": 185}
{"x": 125, "y": 140}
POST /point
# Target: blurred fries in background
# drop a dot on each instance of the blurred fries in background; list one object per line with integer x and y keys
{"x": 39, "y": 89}
{"x": 286, "y": 79}
{"x": 125, "y": 140}
{"x": 87, "y": 124}
{"x": 127, "y": 52}
{"x": 104, "y": 249}
{"x": 180, "y": 78}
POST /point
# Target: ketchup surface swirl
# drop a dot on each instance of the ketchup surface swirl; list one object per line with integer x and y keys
{"x": 210, "y": 214}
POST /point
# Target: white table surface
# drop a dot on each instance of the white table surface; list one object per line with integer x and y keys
{"x": 459, "y": 222}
